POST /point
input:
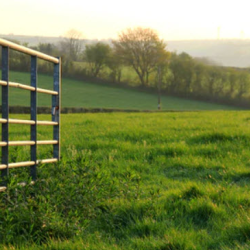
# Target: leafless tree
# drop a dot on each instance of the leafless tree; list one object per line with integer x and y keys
{"x": 72, "y": 44}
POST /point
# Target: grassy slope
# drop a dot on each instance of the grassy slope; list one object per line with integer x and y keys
{"x": 82, "y": 94}
{"x": 139, "y": 181}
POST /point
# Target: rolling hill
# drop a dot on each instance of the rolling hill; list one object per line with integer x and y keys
{"x": 90, "y": 95}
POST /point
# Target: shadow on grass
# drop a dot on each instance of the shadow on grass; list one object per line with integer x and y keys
{"x": 210, "y": 153}
{"x": 237, "y": 237}
{"x": 171, "y": 246}
{"x": 240, "y": 179}
{"x": 200, "y": 173}
{"x": 198, "y": 212}
{"x": 217, "y": 138}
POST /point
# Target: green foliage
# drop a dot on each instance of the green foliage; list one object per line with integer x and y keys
{"x": 97, "y": 55}
{"x": 135, "y": 181}
{"x": 142, "y": 50}
{"x": 194, "y": 78}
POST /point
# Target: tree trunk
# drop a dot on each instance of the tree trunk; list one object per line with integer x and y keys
{"x": 159, "y": 88}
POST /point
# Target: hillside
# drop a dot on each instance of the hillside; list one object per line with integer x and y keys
{"x": 90, "y": 95}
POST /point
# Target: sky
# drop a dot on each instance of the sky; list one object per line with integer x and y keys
{"x": 104, "y": 19}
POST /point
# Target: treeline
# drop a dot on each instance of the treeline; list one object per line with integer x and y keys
{"x": 138, "y": 58}
{"x": 196, "y": 78}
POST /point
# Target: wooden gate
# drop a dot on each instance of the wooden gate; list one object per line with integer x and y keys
{"x": 5, "y": 166}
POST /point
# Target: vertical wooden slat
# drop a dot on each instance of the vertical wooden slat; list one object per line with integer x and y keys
{"x": 5, "y": 111}
{"x": 33, "y": 114}
{"x": 56, "y": 109}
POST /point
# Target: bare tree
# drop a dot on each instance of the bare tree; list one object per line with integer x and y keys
{"x": 72, "y": 44}
{"x": 142, "y": 49}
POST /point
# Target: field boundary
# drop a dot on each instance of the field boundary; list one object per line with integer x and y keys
{"x": 73, "y": 110}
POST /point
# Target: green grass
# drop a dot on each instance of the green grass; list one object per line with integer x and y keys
{"x": 135, "y": 181}
{"x": 89, "y": 95}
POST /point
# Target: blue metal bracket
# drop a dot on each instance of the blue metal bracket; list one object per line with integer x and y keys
{"x": 33, "y": 115}
{"x": 5, "y": 112}
{"x": 56, "y": 108}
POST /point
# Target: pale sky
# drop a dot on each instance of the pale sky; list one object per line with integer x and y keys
{"x": 101, "y": 19}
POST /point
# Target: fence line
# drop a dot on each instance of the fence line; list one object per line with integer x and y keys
{"x": 33, "y": 122}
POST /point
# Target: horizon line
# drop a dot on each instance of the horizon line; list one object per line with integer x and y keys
{"x": 99, "y": 39}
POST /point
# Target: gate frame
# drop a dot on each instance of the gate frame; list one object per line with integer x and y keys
{"x": 33, "y": 122}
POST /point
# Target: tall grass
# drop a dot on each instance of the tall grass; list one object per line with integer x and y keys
{"x": 136, "y": 181}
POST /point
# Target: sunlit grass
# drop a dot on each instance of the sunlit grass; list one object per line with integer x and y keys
{"x": 137, "y": 181}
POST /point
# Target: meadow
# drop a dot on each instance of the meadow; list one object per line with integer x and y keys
{"x": 153, "y": 181}
{"x": 90, "y": 95}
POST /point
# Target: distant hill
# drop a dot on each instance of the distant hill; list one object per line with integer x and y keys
{"x": 225, "y": 52}
{"x": 228, "y": 52}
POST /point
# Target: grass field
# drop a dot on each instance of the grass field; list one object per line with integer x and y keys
{"x": 135, "y": 181}
{"x": 89, "y": 95}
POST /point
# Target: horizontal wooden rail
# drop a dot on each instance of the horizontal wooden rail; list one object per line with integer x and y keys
{"x": 47, "y": 123}
{"x": 3, "y": 166}
{"x": 53, "y": 160}
{"x": 17, "y": 143}
{"x": 28, "y": 163}
{"x": 51, "y": 142}
{"x": 17, "y": 85}
{"x": 28, "y": 51}
{"x": 46, "y": 91}
{"x": 27, "y": 143}
{"x": 17, "y": 121}
{"x": 27, "y": 87}
{"x": 22, "y": 184}
{"x": 21, "y": 164}
{"x": 2, "y": 189}
{"x": 28, "y": 122}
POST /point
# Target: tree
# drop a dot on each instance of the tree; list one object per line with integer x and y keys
{"x": 182, "y": 67}
{"x": 214, "y": 84}
{"x": 233, "y": 82}
{"x": 72, "y": 44}
{"x": 47, "y": 48}
{"x": 243, "y": 84}
{"x": 97, "y": 56}
{"x": 142, "y": 49}
{"x": 115, "y": 65}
